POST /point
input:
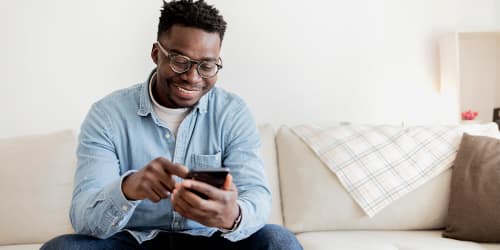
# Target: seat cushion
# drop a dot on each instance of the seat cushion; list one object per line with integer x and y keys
{"x": 36, "y": 182}
{"x": 21, "y": 247}
{"x": 386, "y": 240}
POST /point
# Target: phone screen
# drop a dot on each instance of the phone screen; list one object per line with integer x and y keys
{"x": 213, "y": 176}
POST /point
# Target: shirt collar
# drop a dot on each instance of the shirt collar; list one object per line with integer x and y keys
{"x": 146, "y": 103}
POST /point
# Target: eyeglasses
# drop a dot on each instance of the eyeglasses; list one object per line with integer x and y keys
{"x": 181, "y": 64}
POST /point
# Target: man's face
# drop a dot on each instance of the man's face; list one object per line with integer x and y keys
{"x": 175, "y": 90}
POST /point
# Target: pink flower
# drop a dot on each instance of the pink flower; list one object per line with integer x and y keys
{"x": 469, "y": 115}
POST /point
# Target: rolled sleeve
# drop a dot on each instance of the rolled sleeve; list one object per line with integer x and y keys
{"x": 117, "y": 197}
{"x": 103, "y": 213}
{"x": 124, "y": 208}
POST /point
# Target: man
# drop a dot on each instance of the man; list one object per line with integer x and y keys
{"x": 137, "y": 145}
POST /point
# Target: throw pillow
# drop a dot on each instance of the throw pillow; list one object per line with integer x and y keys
{"x": 474, "y": 208}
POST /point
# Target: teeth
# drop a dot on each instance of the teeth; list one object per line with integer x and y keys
{"x": 186, "y": 91}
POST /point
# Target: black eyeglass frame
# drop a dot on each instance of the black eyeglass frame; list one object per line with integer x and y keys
{"x": 190, "y": 61}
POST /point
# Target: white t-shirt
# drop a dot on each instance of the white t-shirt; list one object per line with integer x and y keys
{"x": 171, "y": 117}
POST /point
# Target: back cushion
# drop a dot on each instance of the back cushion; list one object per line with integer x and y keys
{"x": 270, "y": 164}
{"x": 313, "y": 198}
{"x": 36, "y": 182}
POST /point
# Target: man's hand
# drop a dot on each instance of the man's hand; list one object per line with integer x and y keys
{"x": 218, "y": 210}
{"x": 154, "y": 181}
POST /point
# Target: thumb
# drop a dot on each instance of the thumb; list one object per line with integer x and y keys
{"x": 228, "y": 182}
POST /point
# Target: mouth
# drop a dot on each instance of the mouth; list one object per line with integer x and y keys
{"x": 187, "y": 93}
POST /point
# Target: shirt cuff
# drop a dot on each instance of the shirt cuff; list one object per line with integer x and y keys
{"x": 236, "y": 234}
{"x": 236, "y": 221}
{"x": 118, "y": 198}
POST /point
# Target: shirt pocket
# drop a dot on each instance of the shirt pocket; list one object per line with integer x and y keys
{"x": 206, "y": 161}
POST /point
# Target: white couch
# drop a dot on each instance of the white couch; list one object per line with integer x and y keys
{"x": 36, "y": 176}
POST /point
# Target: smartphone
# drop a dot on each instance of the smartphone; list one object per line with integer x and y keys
{"x": 213, "y": 176}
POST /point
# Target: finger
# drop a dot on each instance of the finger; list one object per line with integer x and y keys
{"x": 208, "y": 190}
{"x": 191, "y": 197}
{"x": 160, "y": 190}
{"x": 152, "y": 196}
{"x": 181, "y": 206}
{"x": 228, "y": 182}
{"x": 160, "y": 179}
{"x": 152, "y": 191}
{"x": 173, "y": 168}
{"x": 186, "y": 208}
{"x": 163, "y": 178}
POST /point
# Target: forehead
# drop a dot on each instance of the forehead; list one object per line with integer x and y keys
{"x": 193, "y": 42}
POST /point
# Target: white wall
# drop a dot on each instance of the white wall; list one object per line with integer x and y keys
{"x": 497, "y": 101}
{"x": 478, "y": 79}
{"x": 497, "y": 11}
{"x": 372, "y": 61}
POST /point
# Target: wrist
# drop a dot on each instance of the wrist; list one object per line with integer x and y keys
{"x": 236, "y": 221}
{"x": 125, "y": 188}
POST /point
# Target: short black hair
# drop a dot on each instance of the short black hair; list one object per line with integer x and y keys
{"x": 189, "y": 13}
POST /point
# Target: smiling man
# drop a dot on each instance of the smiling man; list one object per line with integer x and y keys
{"x": 137, "y": 145}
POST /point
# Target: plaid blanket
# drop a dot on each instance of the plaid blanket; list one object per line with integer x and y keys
{"x": 379, "y": 164}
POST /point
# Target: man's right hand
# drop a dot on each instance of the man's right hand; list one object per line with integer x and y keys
{"x": 154, "y": 181}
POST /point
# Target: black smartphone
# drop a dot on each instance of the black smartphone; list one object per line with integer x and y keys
{"x": 213, "y": 176}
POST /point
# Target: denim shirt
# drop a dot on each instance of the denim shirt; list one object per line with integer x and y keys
{"x": 121, "y": 134}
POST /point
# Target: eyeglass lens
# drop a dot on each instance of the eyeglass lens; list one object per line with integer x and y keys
{"x": 181, "y": 64}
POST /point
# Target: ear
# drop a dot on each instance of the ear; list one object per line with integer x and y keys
{"x": 154, "y": 53}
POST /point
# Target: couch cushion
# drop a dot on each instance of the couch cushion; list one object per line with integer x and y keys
{"x": 313, "y": 198}
{"x": 36, "y": 159}
{"x": 36, "y": 182}
{"x": 386, "y": 240}
{"x": 21, "y": 247}
{"x": 379, "y": 164}
{"x": 271, "y": 165}
{"x": 474, "y": 210}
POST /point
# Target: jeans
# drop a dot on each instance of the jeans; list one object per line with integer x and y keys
{"x": 270, "y": 237}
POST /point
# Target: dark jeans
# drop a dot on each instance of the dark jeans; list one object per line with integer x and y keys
{"x": 271, "y": 237}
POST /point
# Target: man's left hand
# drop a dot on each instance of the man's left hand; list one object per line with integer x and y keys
{"x": 219, "y": 210}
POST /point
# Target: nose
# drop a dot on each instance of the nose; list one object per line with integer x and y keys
{"x": 191, "y": 75}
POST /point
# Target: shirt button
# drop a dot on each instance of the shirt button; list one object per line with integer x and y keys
{"x": 125, "y": 208}
{"x": 167, "y": 135}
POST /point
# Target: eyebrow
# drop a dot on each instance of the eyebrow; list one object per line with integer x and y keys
{"x": 177, "y": 52}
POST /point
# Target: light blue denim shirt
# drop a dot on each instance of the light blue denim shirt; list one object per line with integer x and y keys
{"x": 121, "y": 134}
